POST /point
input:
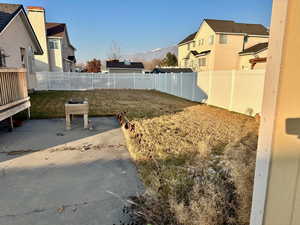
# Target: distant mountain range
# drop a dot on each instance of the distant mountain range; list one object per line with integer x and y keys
{"x": 158, "y": 53}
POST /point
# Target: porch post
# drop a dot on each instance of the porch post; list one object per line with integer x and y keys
{"x": 276, "y": 198}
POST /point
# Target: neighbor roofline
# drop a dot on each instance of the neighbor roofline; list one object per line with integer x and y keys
{"x": 250, "y": 53}
{"x": 22, "y": 10}
{"x": 119, "y": 68}
{"x": 250, "y": 35}
{"x": 185, "y": 42}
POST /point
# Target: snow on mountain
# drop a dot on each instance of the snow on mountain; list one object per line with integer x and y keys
{"x": 158, "y": 53}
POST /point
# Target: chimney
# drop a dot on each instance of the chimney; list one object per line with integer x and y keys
{"x": 36, "y": 17}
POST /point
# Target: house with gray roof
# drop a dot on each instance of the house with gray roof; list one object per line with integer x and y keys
{"x": 18, "y": 41}
{"x": 218, "y": 43}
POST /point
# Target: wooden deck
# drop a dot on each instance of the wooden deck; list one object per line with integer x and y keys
{"x": 13, "y": 92}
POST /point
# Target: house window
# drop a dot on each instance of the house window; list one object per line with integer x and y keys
{"x": 223, "y": 39}
{"x": 2, "y": 58}
{"x": 188, "y": 47}
{"x": 54, "y": 44}
{"x": 211, "y": 40}
{"x": 245, "y": 39}
{"x": 23, "y": 55}
{"x": 202, "y": 62}
{"x": 201, "y": 41}
{"x": 194, "y": 44}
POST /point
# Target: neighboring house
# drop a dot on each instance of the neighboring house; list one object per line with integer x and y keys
{"x": 18, "y": 42}
{"x": 172, "y": 70}
{"x": 217, "y": 43}
{"x": 254, "y": 57}
{"x": 59, "y": 53}
{"x": 115, "y": 66}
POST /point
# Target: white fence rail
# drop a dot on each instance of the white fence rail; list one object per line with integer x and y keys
{"x": 239, "y": 91}
{"x": 179, "y": 84}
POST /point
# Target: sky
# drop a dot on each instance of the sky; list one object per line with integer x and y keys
{"x": 139, "y": 25}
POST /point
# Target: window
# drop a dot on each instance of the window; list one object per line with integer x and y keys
{"x": 201, "y": 41}
{"x": 223, "y": 39}
{"x": 189, "y": 47}
{"x": 194, "y": 44}
{"x": 245, "y": 39}
{"x": 23, "y": 54}
{"x": 2, "y": 58}
{"x": 54, "y": 44}
{"x": 211, "y": 40}
{"x": 202, "y": 62}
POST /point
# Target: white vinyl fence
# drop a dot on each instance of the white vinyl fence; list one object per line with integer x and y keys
{"x": 178, "y": 84}
{"x": 239, "y": 91}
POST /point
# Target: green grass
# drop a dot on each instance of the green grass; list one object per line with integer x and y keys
{"x": 138, "y": 103}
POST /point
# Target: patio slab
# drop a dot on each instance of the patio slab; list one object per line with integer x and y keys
{"x": 69, "y": 177}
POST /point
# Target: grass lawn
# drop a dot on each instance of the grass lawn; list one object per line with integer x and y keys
{"x": 197, "y": 161}
{"x": 138, "y": 103}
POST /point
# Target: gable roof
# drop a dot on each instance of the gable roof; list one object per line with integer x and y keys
{"x": 55, "y": 29}
{"x": 229, "y": 26}
{"x": 8, "y": 13}
{"x": 58, "y": 30}
{"x": 188, "y": 38}
{"x": 255, "y": 48}
{"x": 123, "y": 65}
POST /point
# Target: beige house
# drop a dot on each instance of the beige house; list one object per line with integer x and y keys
{"x": 217, "y": 44}
{"x": 18, "y": 42}
{"x": 59, "y": 53}
{"x": 254, "y": 57}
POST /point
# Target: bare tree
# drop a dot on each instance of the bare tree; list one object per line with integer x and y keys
{"x": 93, "y": 66}
{"x": 114, "y": 51}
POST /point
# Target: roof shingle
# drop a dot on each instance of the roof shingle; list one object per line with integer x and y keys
{"x": 229, "y": 26}
{"x": 123, "y": 65}
{"x": 7, "y": 12}
{"x": 255, "y": 48}
{"x": 55, "y": 29}
{"x": 188, "y": 38}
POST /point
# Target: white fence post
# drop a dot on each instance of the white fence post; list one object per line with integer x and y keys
{"x": 133, "y": 80}
{"x": 233, "y": 76}
{"x": 209, "y": 87}
{"x": 194, "y": 87}
{"x": 114, "y": 76}
{"x": 181, "y": 80}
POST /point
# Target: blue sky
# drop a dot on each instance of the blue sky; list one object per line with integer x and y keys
{"x": 139, "y": 25}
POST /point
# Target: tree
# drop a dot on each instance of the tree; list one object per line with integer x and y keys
{"x": 150, "y": 65}
{"x": 114, "y": 51}
{"x": 93, "y": 66}
{"x": 169, "y": 60}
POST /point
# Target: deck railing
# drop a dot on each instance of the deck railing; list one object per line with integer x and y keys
{"x": 13, "y": 87}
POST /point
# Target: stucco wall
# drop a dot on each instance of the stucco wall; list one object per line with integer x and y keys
{"x": 244, "y": 63}
{"x": 283, "y": 191}
{"x": 226, "y": 55}
{"x": 55, "y": 57}
{"x": 67, "y": 51}
{"x": 252, "y": 40}
{"x": 37, "y": 20}
{"x": 12, "y": 39}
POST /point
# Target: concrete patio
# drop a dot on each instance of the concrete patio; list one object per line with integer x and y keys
{"x": 65, "y": 177}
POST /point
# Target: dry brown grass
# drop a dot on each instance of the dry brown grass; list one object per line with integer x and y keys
{"x": 196, "y": 161}
{"x": 199, "y": 162}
